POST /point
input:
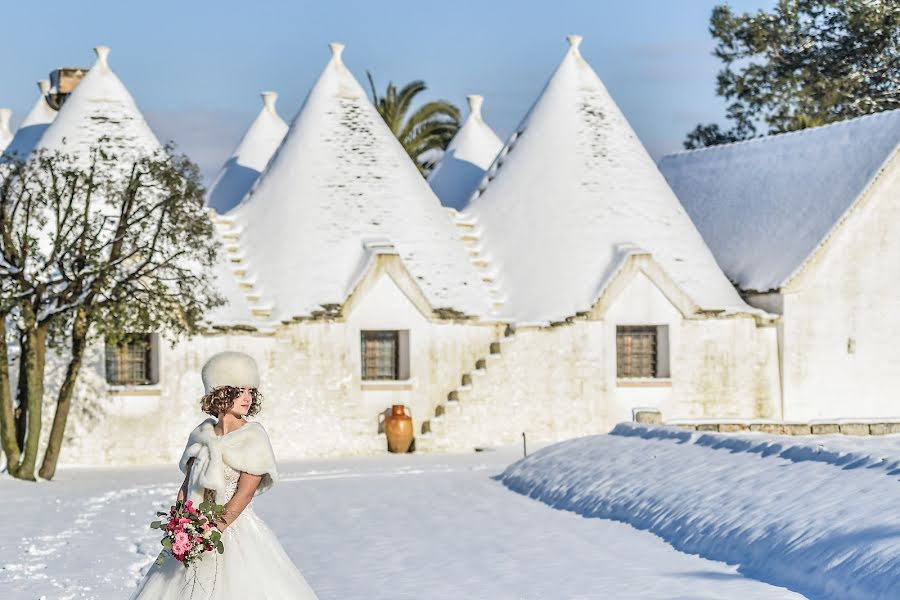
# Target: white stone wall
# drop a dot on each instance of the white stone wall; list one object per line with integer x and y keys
{"x": 315, "y": 402}
{"x": 559, "y": 382}
{"x": 549, "y": 382}
{"x": 842, "y": 316}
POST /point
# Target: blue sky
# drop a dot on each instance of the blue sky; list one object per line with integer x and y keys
{"x": 195, "y": 68}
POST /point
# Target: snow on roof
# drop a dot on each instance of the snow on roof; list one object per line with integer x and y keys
{"x": 339, "y": 179}
{"x": 6, "y": 134}
{"x": 470, "y": 153}
{"x": 101, "y": 111}
{"x": 572, "y": 185}
{"x": 33, "y": 125}
{"x": 248, "y": 160}
{"x": 100, "y": 108}
{"x": 766, "y": 204}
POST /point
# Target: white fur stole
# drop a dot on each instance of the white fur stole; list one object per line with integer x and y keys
{"x": 246, "y": 449}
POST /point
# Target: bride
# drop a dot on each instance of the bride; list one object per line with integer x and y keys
{"x": 230, "y": 461}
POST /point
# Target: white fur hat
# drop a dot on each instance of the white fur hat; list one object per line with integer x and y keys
{"x": 230, "y": 368}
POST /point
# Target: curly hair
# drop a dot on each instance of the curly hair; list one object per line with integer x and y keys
{"x": 222, "y": 398}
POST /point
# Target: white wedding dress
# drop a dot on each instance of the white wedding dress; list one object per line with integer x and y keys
{"x": 253, "y": 566}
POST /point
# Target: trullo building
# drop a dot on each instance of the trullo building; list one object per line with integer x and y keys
{"x": 249, "y": 158}
{"x": 470, "y": 153}
{"x": 33, "y": 125}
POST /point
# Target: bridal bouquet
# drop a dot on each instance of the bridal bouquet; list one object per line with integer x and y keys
{"x": 189, "y": 531}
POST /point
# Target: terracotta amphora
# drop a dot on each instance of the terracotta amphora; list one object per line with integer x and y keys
{"x": 398, "y": 427}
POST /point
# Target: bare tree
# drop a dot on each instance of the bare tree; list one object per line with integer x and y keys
{"x": 92, "y": 246}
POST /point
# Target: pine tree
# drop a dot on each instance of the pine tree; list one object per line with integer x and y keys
{"x": 802, "y": 64}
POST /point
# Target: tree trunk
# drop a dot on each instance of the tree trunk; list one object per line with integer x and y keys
{"x": 33, "y": 355}
{"x": 21, "y": 412}
{"x": 11, "y": 447}
{"x": 64, "y": 399}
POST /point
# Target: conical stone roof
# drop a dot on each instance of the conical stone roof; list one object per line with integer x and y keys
{"x": 572, "y": 187}
{"x": 466, "y": 159}
{"x": 249, "y": 158}
{"x": 340, "y": 180}
{"x": 33, "y": 125}
{"x": 100, "y": 111}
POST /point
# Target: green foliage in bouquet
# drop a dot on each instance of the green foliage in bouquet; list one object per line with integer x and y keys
{"x": 189, "y": 531}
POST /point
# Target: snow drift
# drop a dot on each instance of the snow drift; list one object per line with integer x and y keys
{"x": 816, "y": 514}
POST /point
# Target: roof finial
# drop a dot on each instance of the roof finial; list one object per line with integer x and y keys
{"x": 574, "y": 42}
{"x": 44, "y": 86}
{"x": 5, "y": 115}
{"x": 269, "y": 99}
{"x": 475, "y": 102}
{"x": 336, "y": 49}
{"x": 102, "y": 53}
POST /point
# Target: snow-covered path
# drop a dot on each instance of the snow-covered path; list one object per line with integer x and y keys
{"x": 423, "y": 527}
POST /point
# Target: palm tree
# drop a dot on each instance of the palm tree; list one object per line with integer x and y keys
{"x": 426, "y": 132}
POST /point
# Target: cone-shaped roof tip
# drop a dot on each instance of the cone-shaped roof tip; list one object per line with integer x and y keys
{"x": 102, "y": 53}
{"x": 44, "y": 86}
{"x": 475, "y": 102}
{"x": 269, "y": 99}
{"x": 336, "y": 49}
{"x": 574, "y": 42}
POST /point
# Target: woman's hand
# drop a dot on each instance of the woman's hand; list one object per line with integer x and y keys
{"x": 182, "y": 491}
{"x": 246, "y": 488}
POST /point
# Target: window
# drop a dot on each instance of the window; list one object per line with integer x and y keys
{"x": 642, "y": 351}
{"x": 384, "y": 354}
{"x": 380, "y": 354}
{"x": 132, "y": 362}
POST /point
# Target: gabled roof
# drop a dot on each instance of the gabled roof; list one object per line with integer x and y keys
{"x": 100, "y": 108}
{"x": 339, "y": 180}
{"x": 470, "y": 153}
{"x": 249, "y": 158}
{"x": 572, "y": 185}
{"x": 33, "y": 125}
{"x": 765, "y": 205}
{"x": 6, "y": 135}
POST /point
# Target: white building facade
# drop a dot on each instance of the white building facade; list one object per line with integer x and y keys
{"x": 807, "y": 225}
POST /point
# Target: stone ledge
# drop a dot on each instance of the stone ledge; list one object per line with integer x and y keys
{"x": 644, "y": 382}
{"x": 150, "y": 389}
{"x": 385, "y": 384}
{"x": 650, "y": 417}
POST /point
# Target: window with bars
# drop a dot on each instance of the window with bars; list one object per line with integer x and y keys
{"x": 638, "y": 352}
{"x": 130, "y": 363}
{"x": 380, "y": 351}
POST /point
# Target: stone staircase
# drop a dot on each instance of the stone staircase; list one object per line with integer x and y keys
{"x": 463, "y": 420}
{"x": 230, "y": 234}
{"x": 470, "y": 232}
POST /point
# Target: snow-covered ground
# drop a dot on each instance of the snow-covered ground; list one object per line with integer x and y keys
{"x": 817, "y": 514}
{"x": 394, "y": 527}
